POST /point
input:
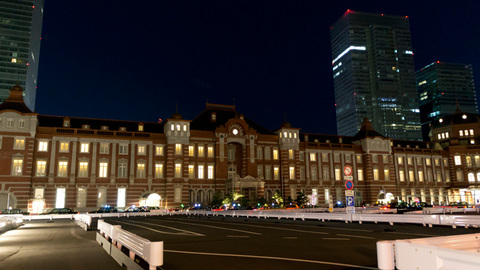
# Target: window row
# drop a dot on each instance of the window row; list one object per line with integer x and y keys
{"x": 466, "y": 132}
{"x": 402, "y": 175}
{"x": 85, "y": 147}
{"x": 419, "y": 161}
{"x": 122, "y": 169}
{"x": 468, "y": 160}
{"x": 10, "y": 123}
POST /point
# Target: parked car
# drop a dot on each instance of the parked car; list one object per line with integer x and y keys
{"x": 105, "y": 209}
{"x": 14, "y": 211}
{"x": 458, "y": 205}
{"x": 60, "y": 211}
{"x": 402, "y": 207}
{"x": 292, "y": 206}
{"x": 137, "y": 209}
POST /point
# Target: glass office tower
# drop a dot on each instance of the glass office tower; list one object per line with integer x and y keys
{"x": 442, "y": 87}
{"x": 20, "y": 34}
{"x": 374, "y": 75}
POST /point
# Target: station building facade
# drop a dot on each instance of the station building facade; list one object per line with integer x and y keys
{"x": 83, "y": 163}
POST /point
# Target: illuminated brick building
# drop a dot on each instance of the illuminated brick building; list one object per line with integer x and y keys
{"x": 82, "y": 163}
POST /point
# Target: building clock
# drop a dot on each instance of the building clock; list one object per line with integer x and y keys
{"x": 235, "y": 131}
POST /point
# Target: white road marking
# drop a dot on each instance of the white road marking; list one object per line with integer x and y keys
{"x": 184, "y": 232}
{"x": 269, "y": 258}
{"x": 275, "y": 228}
{"x": 215, "y": 227}
{"x": 357, "y": 236}
{"x": 333, "y": 228}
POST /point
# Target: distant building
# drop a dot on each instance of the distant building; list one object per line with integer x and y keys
{"x": 20, "y": 34}
{"x": 84, "y": 163}
{"x": 374, "y": 75}
{"x": 442, "y": 87}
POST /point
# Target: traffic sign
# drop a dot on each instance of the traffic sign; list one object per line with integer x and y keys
{"x": 349, "y": 184}
{"x": 347, "y": 170}
{"x": 350, "y": 201}
{"x": 348, "y": 177}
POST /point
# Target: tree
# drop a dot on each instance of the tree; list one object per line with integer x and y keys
{"x": 217, "y": 199}
{"x": 278, "y": 198}
{"x": 301, "y": 199}
{"x": 262, "y": 201}
{"x": 231, "y": 198}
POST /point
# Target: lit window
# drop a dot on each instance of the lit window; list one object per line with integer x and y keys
{"x": 420, "y": 176}
{"x": 468, "y": 160}
{"x": 178, "y": 170}
{"x": 191, "y": 150}
{"x": 140, "y": 127}
{"x": 400, "y": 160}
{"x": 401, "y": 175}
{"x": 178, "y": 149}
{"x": 411, "y": 176}
{"x": 210, "y": 151}
{"x": 141, "y": 170}
{"x": 337, "y": 174}
{"x": 121, "y": 197}
{"x": 84, "y": 147}
{"x": 200, "y": 171}
{"x": 178, "y": 127}
{"x": 158, "y": 170}
{"x": 141, "y": 150}
{"x": 62, "y": 168}
{"x": 359, "y": 158}
{"x": 17, "y": 167}
{"x": 276, "y": 173}
{"x": 19, "y": 144}
{"x": 461, "y": 132}
{"x": 428, "y": 161}
{"x": 103, "y": 169}
{"x": 313, "y": 157}
{"x": 291, "y": 171}
{"x": 159, "y": 150}
{"x": 210, "y": 172}
{"x": 471, "y": 132}
{"x": 60, "y": 198}
{"x": 200, "y": 151}
{"x": 191, "y": 171}
{"x": 471, "y": 177}
{"x": 172, "y": 127}
{"x": 41, "y": 168}
{"x": 375, "y": 174}
{"x": 83, "y": 169}
{"x": 64, "y": 147}
{"x": 386, "y": 173}
{"x": 184, "y": 127}
{"x": 360, "y": 174}
{"x": 275, "y": 154}
{"x": 458, "y": 160}
{"x": 42, "y": 146}
{"x": 410, "y": 161}
{"x": 290, "y": 154}
{"x": 466, "y": 132}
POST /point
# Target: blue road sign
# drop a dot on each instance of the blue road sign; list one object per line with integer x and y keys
{"x": 350, "y": 201}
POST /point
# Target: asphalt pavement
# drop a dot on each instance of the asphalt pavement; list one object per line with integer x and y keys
{"x": 58, "y": 244}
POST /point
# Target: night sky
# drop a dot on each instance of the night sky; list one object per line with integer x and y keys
{"x": 135, "y": 60}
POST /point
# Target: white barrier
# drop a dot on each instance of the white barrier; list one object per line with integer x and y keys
{"x": 9, "y": 222}
{"x": 446, "y": 252}
{"x": 151, "y": 252}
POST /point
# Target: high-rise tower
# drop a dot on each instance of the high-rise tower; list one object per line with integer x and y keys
{"x": 442, "y": 87}
{"x": 374, "y": 75}
{"x": 20, "y": 34}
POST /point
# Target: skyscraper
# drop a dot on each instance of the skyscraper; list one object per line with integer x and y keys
{"x": 20, "y": 34}
{"x": 374, "y": 75}
{"x": 442, "y": 86}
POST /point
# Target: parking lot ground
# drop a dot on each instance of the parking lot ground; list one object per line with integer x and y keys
{"x": 200, "y": 242}
{"x": 58, "y": 244}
